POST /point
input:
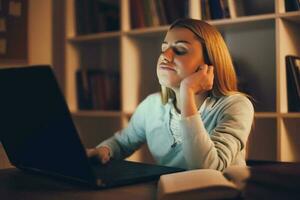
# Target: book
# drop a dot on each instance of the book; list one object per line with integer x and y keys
{"x": 98, "y": 89}
{"x": 205, "y": 10}
{"x": 292, "y": 5}
{"x": 95, "y": 16}
{"x": 293, "y": 82}
{"x": 137, "y": 18}
{"x": 216, "y": 9}
{"x": 175, "y": 9}
{"x": 203, "y": 184}
{"x": 268, "y": 180}
{"x": 161, "y": 12}
{"x": 107, "y": 14}
{"x": 236, "y": 8}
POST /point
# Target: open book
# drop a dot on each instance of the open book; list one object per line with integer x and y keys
{"x": 203, "y": 184}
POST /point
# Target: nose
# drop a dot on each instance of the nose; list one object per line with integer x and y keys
{"x": 168, "y": 54}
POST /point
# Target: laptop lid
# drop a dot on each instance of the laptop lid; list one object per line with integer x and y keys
{"x": 36, "y": 129}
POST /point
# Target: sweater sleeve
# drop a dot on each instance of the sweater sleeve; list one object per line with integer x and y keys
{"x": 123, "y": 143}
{"x": 217, "y": 149}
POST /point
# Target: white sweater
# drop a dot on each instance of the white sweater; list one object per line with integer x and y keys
{"x": 214, "y": 138}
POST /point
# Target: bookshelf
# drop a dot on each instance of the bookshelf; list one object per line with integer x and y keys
{"x": 258, "y": 40}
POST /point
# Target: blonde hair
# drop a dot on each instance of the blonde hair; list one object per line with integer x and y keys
{"x": 215, "y": 53}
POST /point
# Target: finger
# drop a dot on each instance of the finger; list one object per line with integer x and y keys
{"x": 91, "y": 152}
{"x": 104, "y": 159}
{"x": 204, "y": 68}
{"x": 210, "y": 70}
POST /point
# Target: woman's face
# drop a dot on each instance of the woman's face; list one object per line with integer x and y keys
{"x": 181, "y": 55}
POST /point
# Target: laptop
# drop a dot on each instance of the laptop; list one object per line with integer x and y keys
{"x": 38, "y": 134}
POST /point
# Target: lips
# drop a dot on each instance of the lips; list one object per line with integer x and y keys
{"x": 166, "y": 67}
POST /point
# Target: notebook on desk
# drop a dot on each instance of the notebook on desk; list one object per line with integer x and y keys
{"x": 38, "y": 133}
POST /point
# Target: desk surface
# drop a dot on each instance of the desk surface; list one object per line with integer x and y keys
{"x": 17, "y": 185}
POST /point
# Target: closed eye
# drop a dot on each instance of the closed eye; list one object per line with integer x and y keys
{"x": 179, "y": 51}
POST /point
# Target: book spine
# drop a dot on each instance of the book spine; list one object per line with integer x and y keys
{"x": 147, "y": 13}
{"x": 292, "y": 5}
{"x": 293, "y": 83}
{"x": 161, "y": 12}
{"x": 154, "y": 13}
{"x": 216, "y": 9}
{"x": 232, "y": 9}
{"x": 203, "y": 10}
{"x": 225, "y": 8}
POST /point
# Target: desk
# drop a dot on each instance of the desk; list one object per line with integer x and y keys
{"x": 17, "y": 185}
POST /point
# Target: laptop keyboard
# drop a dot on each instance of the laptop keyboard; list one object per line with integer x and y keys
{"x": 123, "y": 172}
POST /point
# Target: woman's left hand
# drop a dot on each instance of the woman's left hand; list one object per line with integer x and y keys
{"x": 200, "y": 81}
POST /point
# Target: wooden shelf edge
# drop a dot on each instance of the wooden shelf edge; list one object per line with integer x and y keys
{"x": 147, "y": 30}
{"x": 265, "y": 115}
{"x": 275, "y": 115}
{"x": 220, "y": 22}
{"x": 95, "y": 37}
{"x": 290, "y": 115}
{"x": 12, "y": 62}
{"x": 289, "y": 14}
{"x": 242, "y": 19}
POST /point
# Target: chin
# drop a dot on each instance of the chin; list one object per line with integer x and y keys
{"x": 169, "y": 84}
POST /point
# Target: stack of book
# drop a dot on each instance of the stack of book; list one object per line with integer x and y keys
{"x": 98, "y": 90}
{"x": 148, "y": 13}
{"x": 221, "y": 9}
{"x": 93, "y": 16}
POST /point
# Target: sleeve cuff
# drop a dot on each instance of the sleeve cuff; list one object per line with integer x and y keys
{"x": 109, "y": 148}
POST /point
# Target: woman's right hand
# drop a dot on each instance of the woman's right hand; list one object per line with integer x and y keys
{"x": 102, "y": 154}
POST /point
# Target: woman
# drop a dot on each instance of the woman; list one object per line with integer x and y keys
{"x": 199, "y": 120}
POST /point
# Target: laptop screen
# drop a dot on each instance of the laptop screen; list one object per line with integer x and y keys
{"x": 36, "y": 129}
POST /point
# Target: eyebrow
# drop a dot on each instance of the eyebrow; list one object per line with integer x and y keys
{"x": 179, "y": 41}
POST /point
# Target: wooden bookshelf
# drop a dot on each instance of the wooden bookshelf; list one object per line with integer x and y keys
{"x": 258, "y": 40}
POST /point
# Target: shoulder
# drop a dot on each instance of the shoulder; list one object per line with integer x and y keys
{"x": 151, "y": 108}
{"x": 152, "y": 99}
{"x": 234, "y": 103}
{"x": 151, "y": 102}
{"x": 237, "y": 103}
{"x": 237, "y": 99}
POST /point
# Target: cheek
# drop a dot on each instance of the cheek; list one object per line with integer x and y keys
{"x": 185, "y": 69}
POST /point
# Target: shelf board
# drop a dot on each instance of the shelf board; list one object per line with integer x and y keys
{"x": 242, "y": 19}
{"x": 89, "y": 113}
{"x": 290, "y": 115}
{"x": 291, "y": 16}
{"x": 220, "y": 22}
{"x": 147, "y": 31}
{"x": 12, "y": 62}
{"x": 265, "y": 115}
{"x": 95, "y": 37}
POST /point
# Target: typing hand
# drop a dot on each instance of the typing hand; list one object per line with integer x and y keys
{"x": 102, "y": 154}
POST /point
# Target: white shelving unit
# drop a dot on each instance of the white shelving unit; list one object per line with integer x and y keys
{"x": 258, "y": 42}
